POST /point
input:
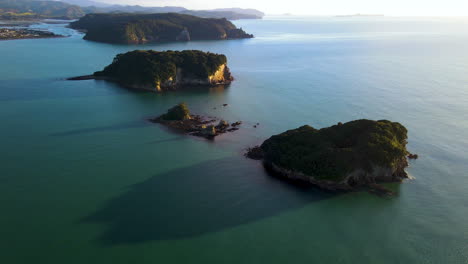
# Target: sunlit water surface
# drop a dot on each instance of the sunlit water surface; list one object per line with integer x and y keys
{"x": 85, "y": 179}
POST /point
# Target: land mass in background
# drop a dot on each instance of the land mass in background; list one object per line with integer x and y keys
{"x": 150, "y": 28}
{"x": 72, "y": 9}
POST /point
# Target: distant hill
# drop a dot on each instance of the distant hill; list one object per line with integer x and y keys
{"x": 72, "y": 9}
{"x": 127, "y": 28}
{"x": 46, "y": 9}
{"x": 90, "y": 6}
{"x": 85, "y": 3}
{"x": 131, "y": 9}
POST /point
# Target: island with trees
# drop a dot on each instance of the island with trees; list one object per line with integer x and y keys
{"x": 341, "y": 157}
{"x": 158, "y": 71}
{"x": 150, "y": 28}
{"x": 22, "y": 33}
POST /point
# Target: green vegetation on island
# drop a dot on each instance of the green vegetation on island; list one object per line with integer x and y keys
{"x": 19, "y": 33}
{"x": 354, "y": 153}
{"x": 179, "y": 112}
{"x": 144, "y": 28}
{"x": 149, "y": 69}
{"x": 155, "y": 70}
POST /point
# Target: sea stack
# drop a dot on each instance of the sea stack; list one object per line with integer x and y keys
{"x": 180, "y": 119}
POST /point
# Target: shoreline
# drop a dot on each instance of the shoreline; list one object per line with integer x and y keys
{"x": 144, "y": 88}
{"x": 24, "y": 33}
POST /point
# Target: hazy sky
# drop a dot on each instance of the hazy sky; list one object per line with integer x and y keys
{"x": 322, "y": 7}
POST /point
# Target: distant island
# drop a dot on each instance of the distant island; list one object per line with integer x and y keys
{"x": 17, "y": 33}
{"x": 341, "y": 157}
{"x": 150, "y": 28}
{"x": 228, "y": 13}
{"x": 158, "y": 71}
{"x": 180, "y": 119}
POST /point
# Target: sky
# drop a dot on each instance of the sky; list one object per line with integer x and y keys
{"x": 323, "y": 7}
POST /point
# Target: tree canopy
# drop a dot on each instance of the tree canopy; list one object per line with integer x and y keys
{"x": 330, "y": 153}
{"x": 152, "y": 67}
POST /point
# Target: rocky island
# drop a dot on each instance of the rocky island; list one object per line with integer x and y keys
{"x": 149, "y": 28}
{"x": 157, "y": 71}
{"x": 341, "y": 157}
{"x": 180, "y": 119}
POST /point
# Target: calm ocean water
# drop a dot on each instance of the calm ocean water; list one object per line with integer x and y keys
{"x": 85, "y": 179}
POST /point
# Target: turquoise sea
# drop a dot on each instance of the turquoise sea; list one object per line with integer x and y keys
{"x": 85, "y": 179}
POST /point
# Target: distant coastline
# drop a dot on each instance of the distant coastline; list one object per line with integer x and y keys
{"x": 20, "y": 33}
{"x": 72, "y": 9}
{"x": 361, "y": 15}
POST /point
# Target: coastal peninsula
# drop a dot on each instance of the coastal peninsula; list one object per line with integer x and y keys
{"x": 151, "y": 28}
{"x": 341, "y": 157}
{"x": 180, "y": 119}
{"x": 158, "y": 71}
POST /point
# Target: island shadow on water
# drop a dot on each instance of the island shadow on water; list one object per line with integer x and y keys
{"x": 127, "y": 125}
{"x": 195, "y": 89}
{"x": 142, "y": 122}
{"x": 203, "y": 198}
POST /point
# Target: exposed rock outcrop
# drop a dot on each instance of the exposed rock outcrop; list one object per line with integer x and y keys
{"x": 184, "y": 35}
{"x": 222, "y": 76}
{"x": 179, "y": 118}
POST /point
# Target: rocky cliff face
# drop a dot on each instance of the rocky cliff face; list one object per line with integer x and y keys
{"x": 352, "y": 180}
{"x": 182, "y": 79}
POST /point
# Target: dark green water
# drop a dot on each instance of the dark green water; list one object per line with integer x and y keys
{"x": 85, "y": 179}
